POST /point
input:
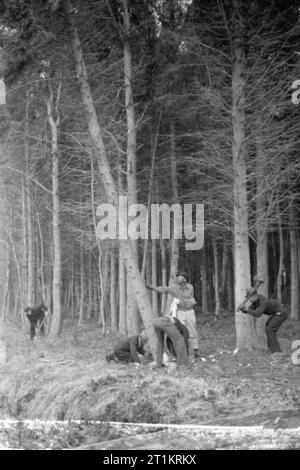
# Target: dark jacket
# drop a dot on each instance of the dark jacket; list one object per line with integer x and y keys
{"x": 266, "y": 306}
{"x": 132, "y": 345}
{"x": 184, "y": 332}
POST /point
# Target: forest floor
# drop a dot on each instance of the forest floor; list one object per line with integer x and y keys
{"x": 69, "y": 379}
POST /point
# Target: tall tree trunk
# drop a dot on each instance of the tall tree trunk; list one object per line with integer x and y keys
{"x": 82, "y": 285}
{"x": 136, "y": 279}
{"x": 154, "y": 141}
{"x": 90, "y": 285}
{"x": 30, "y": 256}
{"x": 230, "y": 283}
{"x": 53, "y": 119}
{"x": 24, "y": 249}
{"x": 113, "y": 307}
{"x": 262, "y": 239}
{"x": 174, "y": 245}
{"x": 5, "y": 292}
{"x": 132, "y": 311}
{"x": 163, "y": 274}
{"x": 216, "y": 279}
{"x": 154, "y": 276}
{"x": 224, "y": 269}
{"x": 72, "y": 288}
{"x": 244, "y": 323}
{"x": 122, "y": 296}
{"x": 101, "y": 316}
{"x": 281, "y": 256}
{"x": 294, "y": 265}
{"x": 122, "y": 267}
{"x": 95, "y": 293}
{"x": 204, "y": 300}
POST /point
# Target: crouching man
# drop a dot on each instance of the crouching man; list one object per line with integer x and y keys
{"x": 129, "y": 348}
{"x": 257, "y": 305}
{"x": 37, "y": 317}
{"x": 176, "y": 336}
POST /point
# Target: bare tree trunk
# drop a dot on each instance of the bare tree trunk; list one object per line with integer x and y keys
{"x": 101, "y": 319}
{"x": 122, "y": 296}
{"x": 41, "y": 262}
{"x": 262, "y": 239}
{"x": 53, "y": 119}
{"x": 230, "y": 283}
{"x": 95, "y": 293}
{"x": 204, "y": 281}
{"x": 154, "y": 276}
{"x": 24, "y": 254}
{"x": 132, "y": 311}
{"x": 294, "y": 265}
{"x": 281, "y": 256}
{"x": 101, "y": 316}
{"x": 122, "y": 268}
{"x": 90, "y": 287}
{"x": 216, "y": 279}
{"x": 113, "y": 307}
{"x": 174, "y": 245}
{"x": 30, "y": 258}
{"x": 245, "y": 331}
{"x": 137, "y": 282}
{"x": 72, "y": 289}
{"x": 150, "y": 188}
{"x": 82, "y": 286}
{"x": 105, "y": 270}
{"x": 298, "y": 252}
{"x": 5, "y": 293}
{"x": 163, "y": 274}
{"x": 9, "y": 232}
{"x": 224, "y": 269}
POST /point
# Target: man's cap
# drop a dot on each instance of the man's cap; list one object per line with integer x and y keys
{"x": 184, "y": 274}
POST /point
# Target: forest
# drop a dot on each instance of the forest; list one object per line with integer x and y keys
{"x": 99, "y": 100}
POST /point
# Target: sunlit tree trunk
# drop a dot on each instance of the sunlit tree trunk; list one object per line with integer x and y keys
{"x": 24, "y": 250}
{"x": 90, "y": 286}
{"x": 113, "y": 307}
{"x": 224, "y": 269}
{"x": 262, "y": 239}
{"x": 154, "y": 276}
{"x": 53, "y": 119}
{"x": 163, "y": 274}
{"x": 281, "y": 256}
{"x": 131, "y": 309}
{"x": 122, "y": 271}
{"x": 294, "y": 265}
{"x": 30, "y": 254}
{"x": 203, "y": 281}
{"x": 216, "y": 279}
{"x": 245, "y": 333}
{"x": 82, "y": 286}
{"x": 174, "y": 245}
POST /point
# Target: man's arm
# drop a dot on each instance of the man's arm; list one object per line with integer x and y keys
{"x": 258, "y": 312}
{"x": 160, "y": 290}
{"x": 186, "y": 301}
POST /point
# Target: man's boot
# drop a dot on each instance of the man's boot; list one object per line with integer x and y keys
{"x": 196, "y": 353}
{"x": 110, "y": 357}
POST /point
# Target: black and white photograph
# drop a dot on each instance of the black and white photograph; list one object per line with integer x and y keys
{"x": 149, "y": 227}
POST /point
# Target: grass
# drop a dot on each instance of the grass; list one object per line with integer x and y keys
{"x": 68, "y": 378}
